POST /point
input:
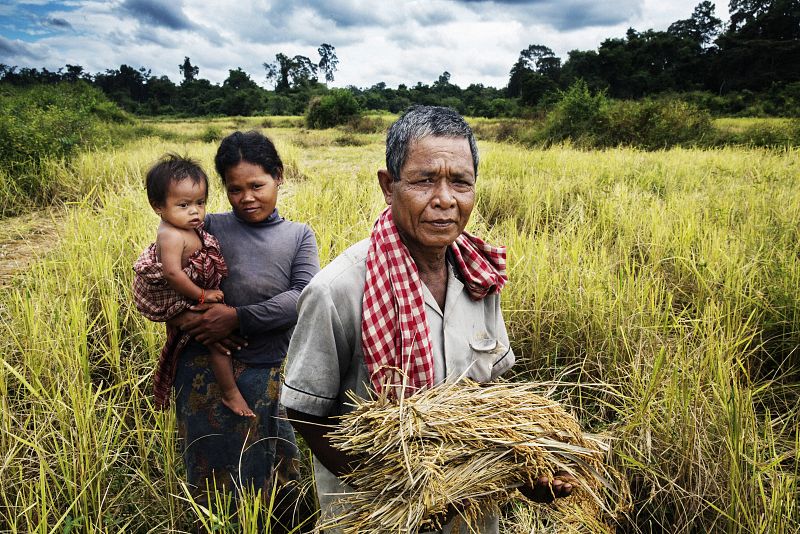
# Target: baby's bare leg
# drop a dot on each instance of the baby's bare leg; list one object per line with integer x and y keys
{"x": 231, "y": 396}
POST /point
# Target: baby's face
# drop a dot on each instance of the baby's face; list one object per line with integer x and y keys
{"x": 185, "y": 205}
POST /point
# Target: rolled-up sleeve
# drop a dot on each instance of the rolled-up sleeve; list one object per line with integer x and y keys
{"x": 319, "y": 354}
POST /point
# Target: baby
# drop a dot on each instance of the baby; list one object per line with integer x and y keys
{"x": 182, "y": 268}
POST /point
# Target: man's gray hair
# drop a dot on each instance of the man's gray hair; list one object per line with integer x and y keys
{"x": 418, "y": 122}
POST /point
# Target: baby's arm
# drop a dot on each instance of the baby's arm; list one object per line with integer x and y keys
{"x": 170, "y": 247}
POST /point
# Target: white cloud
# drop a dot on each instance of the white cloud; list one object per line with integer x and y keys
{"x": 404, "y": 41}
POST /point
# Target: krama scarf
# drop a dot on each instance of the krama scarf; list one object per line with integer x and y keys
{"x": 394, "y": 330}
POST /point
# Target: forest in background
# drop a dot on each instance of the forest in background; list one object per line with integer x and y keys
{"x": 747, "y": 66}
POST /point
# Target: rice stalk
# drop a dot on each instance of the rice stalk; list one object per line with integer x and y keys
{"x": 469, "y": 447}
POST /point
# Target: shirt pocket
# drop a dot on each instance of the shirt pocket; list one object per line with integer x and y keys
{"x": 485, "y": 351}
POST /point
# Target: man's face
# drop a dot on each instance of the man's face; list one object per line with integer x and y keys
{"x": 433, "y": 199}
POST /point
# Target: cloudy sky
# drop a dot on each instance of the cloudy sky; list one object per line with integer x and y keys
{"x": 397, "y": 41}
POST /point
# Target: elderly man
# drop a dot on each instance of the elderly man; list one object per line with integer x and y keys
{"x": 419, "y": 294}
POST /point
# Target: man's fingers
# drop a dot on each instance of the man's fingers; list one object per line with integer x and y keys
{"x": 563, "y": 484}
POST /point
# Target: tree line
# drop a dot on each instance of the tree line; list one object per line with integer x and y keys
{"x": 749, "y": 65}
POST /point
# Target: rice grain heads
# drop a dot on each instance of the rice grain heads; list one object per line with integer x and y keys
{"x": 467, "y": 447}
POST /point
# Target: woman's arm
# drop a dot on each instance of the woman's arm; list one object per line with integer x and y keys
{"x": 280, "y": 311}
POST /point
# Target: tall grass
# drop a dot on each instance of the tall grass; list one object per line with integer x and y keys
{"x": 671, "y": 278}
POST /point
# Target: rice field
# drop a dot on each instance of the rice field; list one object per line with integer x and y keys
{"x": 656, "y": 294}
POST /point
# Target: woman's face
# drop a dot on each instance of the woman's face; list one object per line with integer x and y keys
{"x": 252, "y": 191}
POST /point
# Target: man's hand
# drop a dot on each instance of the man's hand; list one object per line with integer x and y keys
{"x": 546, "y": 491}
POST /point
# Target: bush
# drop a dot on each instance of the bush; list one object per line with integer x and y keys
{"x": 578, "y": 115}
{"x": 52, "y": 121}
{"x": 46, "y": 122}
{"x": 652, "y": 124}
{"x": 591, "y": 120}
{"x": 368, "y": 124}
{"x": 761, "y": 132}
{"x": 335, "y": 108}
{"x": 211, "y": 134}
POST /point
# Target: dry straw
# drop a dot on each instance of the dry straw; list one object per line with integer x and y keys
{"x": 469, "y": 447}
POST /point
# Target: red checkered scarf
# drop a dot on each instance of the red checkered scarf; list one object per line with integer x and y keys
{"x": 394, "y": 330}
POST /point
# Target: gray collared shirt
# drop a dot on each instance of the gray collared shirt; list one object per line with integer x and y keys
{"x": 326, "y": 360}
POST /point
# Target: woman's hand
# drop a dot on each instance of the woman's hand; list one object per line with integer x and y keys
{"x": 212, "y": 325}
{"x": 546, "y": 491}
{"x": 215, "y": 322}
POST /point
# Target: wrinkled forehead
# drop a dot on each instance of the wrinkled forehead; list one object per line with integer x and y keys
{"x": 435, "y": 149}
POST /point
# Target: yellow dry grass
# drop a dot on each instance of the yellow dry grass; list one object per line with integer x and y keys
{"x": 468, "y": 447}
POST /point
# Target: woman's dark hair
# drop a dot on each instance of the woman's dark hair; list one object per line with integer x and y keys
{"x": 171, "y": 168}
{"x": 252, "y": 147}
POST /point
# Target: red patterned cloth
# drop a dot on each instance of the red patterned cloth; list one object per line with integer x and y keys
{"x": 394, "y": 329}
{"x": 157, "y": 301}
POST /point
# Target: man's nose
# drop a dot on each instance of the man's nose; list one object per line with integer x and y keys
{"x": 443, "y": 194}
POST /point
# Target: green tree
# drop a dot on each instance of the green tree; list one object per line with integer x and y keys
{"x": 294, "y": 72}
{"x": 702, "y": 27}
{"x": 760, "y": 47}
{"x": 188, "y": 71}
{"x": 536, "y": 72}
{"x": 328, "y": 62}
{"x": 238, "y": 79}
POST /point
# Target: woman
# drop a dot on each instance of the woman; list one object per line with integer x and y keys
{"x": 270, "y": 261}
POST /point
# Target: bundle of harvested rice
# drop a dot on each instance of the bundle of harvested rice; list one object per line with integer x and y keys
{"x": 466, "y": 446}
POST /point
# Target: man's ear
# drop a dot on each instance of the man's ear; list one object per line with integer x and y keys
{"x": 387, "y": 182}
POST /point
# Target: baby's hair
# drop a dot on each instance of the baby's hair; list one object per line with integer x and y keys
{"x": 172, "y": 168}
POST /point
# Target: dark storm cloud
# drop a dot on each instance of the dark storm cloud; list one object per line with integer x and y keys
{"x": 350, "y": 14}
{"x": 12, "y": 51}
{"x": 155, "y": 38}
{"x": 154, "y": 13}
{"x": 562, "y": 15}
{"x": 345, "y": 13}
{"x": 58, "y": 23}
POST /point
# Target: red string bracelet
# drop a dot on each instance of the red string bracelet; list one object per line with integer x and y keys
{"x": 202, "y": 296}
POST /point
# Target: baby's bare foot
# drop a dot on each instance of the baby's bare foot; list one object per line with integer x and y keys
{"x": 236, "y": 403}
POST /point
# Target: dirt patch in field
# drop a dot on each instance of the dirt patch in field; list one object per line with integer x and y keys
{"x": 23, "y": 240}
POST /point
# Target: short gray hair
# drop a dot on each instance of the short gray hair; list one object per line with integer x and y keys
{"x": 418, "y": 122}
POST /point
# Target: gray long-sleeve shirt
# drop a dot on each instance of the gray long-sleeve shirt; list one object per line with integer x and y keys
{"x": 269, "y": 264}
